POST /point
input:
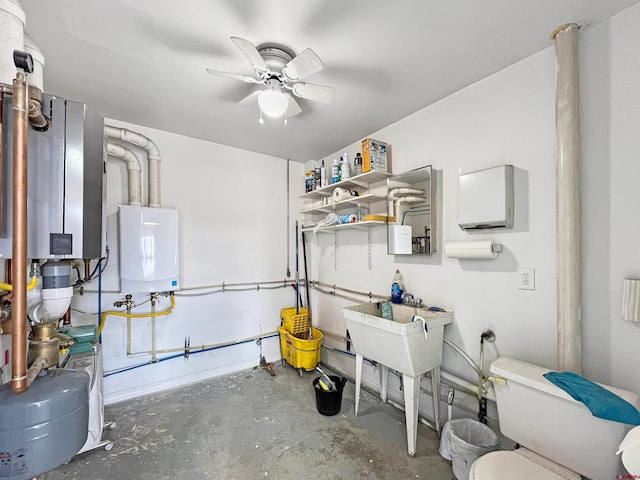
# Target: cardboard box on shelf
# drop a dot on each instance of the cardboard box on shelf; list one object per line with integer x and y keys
{"x": 374, "y": 156}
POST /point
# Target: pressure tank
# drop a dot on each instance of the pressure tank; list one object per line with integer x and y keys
{"x": 45, "y": 426}
{"x": 12, "y": 21}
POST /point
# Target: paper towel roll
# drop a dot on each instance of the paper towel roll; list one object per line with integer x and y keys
{"x": 346, "y": 219}
{"x": 340, "y": 194}
{"x": 477, "y": 249}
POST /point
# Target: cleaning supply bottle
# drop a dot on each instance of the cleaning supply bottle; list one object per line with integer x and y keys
{"x": 357, "y": 164}
{"x": 335, "y": 171}
{"x": 345, "y": 170}
{"x": 323, "y": 175}
{"x": 396, "y": 288}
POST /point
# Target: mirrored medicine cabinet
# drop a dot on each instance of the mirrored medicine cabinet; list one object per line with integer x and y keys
{"x": 410, "y": 220}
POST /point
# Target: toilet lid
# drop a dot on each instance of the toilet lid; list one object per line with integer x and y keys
{"x": 630, "y": 449}
{"x": 502, "y": 463}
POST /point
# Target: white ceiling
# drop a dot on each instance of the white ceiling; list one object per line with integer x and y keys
{"x": 143, "y": 61}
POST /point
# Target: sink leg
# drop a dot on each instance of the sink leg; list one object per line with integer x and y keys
{"x": 359, "y": 359}
{"x": 435, "y": 388}
{"x": 411, "y": 400}
{"x": 383, "y": 370}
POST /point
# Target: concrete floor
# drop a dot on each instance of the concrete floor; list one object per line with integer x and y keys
{"x": 251, "y": 425}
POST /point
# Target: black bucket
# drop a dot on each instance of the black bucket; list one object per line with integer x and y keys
{"x": 329, "y": 402}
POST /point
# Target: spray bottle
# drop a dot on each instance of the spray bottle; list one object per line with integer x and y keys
{"x": 335, "y": 171}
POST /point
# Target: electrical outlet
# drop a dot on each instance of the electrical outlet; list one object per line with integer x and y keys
{"x": 527, "y": 278}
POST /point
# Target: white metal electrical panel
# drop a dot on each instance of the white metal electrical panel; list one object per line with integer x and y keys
{"x": 149, "y": 249}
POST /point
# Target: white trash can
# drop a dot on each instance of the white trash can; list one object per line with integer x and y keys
{"x": 463, "y": 441}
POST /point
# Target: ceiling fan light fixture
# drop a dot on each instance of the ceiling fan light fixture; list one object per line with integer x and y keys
{"x": 272, "y": 101}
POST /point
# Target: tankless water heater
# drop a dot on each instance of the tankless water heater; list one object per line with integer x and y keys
{"x": 149, "y": 249}
{"x": 66, "y": 182}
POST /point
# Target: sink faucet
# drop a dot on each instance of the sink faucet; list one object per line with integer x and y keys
{"x": 409, "y": 299}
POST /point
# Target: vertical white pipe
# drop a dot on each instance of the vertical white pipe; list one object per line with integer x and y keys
{"x": 153, "y": 157}
{"x": 133, "y": 171}
{"x": 568, "y": 191}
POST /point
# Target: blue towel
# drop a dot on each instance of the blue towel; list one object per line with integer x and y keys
{"x": 601, "y": 402}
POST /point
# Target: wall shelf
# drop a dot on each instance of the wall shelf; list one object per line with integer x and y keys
{"x": 365, "y": 199}
{"x": 346, "y": 226}
{"x": 362, "y": 180}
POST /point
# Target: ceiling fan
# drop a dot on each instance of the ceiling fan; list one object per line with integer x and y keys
{"x": 280, "y": 72}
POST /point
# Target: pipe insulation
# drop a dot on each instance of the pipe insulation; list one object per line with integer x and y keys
{"x": 133, "y": 171}
{"x": 153, "y": 157}
{"x": 568, "y": 192}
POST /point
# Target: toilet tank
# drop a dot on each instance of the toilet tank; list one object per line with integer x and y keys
{"x": 544, "y": 418}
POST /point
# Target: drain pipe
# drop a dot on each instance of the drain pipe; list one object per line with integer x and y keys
{"x": 19, "y": 237}
{"x": 133, "y": 171}
{"x": 568, "y": 191}
{"x": 153, "y": 157}
{"x": 394, "y": 199}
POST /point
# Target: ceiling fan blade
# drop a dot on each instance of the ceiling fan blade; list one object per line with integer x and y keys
{"x": 234, "y": 76}
{"x": 251, "y": 53}
{"x": 292, "y": 108}
{"x": 305, "y": 64}
{"x": 310, "y": 91}
{"x": 251, "y": 98}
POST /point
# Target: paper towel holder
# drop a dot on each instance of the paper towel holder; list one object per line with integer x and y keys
{"x": 482, "y": 249}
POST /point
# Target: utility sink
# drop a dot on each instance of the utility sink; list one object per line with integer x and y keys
{"x": 400, "y": 343}
{"x": 411, "y": 344}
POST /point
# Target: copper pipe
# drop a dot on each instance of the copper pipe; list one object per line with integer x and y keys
{"x": 87, "y": 269}
{"x": 7, "y": 274}
{"x": 66, "y": 319}
{"x": 36, "y": 367}
{"x": 19, "y": 265}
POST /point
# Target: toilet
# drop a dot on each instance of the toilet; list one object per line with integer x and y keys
{"x": 559, "y": 437}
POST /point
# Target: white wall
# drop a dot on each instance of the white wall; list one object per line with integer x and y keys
{"x": 610, "y": 62}
{"x": 233, "y": 207}
{"x": 509, "y": 118}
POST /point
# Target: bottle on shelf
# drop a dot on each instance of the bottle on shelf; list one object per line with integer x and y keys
{"x": 323, "y": 175}
{"x": 335, "y": 171}
{"x": 345, "y": 170}
{"x": 357, "y": 164}
{"x": 396, "y": 288}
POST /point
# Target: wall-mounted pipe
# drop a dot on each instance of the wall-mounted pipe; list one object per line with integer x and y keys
{"x": 133, "y": 171}
{"x": 134, "y": 315}
{"x": 568, "y": 207}
{"x": 19, "y": 236}
{"x": 396, "y": 196}
{"x": 153, "y": 157}
{"x": 191, "y": 351}
{"x": 9, "y": 287}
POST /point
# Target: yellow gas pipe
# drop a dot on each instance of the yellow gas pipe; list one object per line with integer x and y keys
{"x": 133, "y": 315}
